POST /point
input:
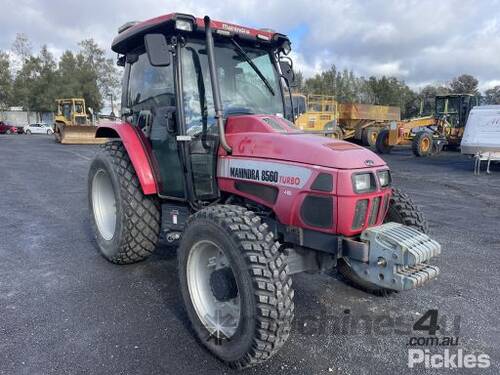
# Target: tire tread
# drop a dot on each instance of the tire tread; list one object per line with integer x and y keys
{"x": 142, "y": 213}
{"x": 269, "y": 273}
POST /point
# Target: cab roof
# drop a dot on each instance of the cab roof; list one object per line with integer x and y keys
{"x": 131, "y": 34}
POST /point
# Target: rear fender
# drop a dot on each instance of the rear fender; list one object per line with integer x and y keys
{"x": 137, "y": 150}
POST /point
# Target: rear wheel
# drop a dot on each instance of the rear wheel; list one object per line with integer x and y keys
{"x": 49, "y": 132}
{"x": 126, "y": 222}
{"x": 382, "y": 143}
{"x": 422, "y": 144}
{"x": 28, "y": 132}
{"x": 8, "y": 131}
{"x": 369, "y": 136}
{"x": 235, "y": 285}
{"x": 401, "y": 210}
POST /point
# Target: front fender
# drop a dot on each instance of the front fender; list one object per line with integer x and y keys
{"x": 137, "y": 150}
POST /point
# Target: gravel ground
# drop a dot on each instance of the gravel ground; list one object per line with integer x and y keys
{"x": 64, "y": 309}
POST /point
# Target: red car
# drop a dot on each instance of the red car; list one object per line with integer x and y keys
{"x": 7, "y": 129}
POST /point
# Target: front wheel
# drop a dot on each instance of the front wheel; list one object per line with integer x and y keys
{"x": 235, "y": 285}
{"x": 422, "y": 144}
{"x": 404, "y": 211}
{"x": 126, "y": 223}
{"x": 28, "y": 132}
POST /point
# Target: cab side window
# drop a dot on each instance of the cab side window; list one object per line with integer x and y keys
{"x": 149, "y": 88}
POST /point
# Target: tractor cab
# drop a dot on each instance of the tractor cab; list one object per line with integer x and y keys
{"x": 455, "y": 108}
{"x": 71, "y": 111}
{"x": 203, "y": 77}
{"x": 451, "y": 113}
{"x": 315, "y": 112}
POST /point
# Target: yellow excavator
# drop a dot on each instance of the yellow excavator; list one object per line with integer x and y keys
{"x": 72, "y": 125}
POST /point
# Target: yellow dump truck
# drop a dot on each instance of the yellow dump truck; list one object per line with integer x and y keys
{"x": 72, "y": 125}
{"x": 321, "y": 113}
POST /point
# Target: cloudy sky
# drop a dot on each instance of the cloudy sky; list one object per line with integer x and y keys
{"x": 418, "y": 41}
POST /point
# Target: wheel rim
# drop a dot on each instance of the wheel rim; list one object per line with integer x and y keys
{"x": 104, "y": 204}
{"x": 425, "y": 144}
{"x": 373, "y": 137}
{"x": 220, "y": 316}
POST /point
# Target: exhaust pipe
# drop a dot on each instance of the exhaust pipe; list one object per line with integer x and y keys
{"x": 214, "y": 80}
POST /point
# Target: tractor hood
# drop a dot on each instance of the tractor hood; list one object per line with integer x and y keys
{"x": 272, "y": 137}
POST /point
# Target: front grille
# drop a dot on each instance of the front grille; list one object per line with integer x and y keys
{"x": 360, "y": 214}
{"x": 374, "y": 211}
{"x": 385, "y": 204}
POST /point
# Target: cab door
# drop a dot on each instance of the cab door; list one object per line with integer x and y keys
{"x": 199, "y": 121}
{"x": 151, "y": 106}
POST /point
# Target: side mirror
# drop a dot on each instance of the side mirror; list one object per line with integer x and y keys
{"x": 157, "y": 49}
{"x": 287, "y": 73}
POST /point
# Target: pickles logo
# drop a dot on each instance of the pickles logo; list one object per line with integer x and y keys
{"x": 262, "y": 171}
{"x": 447, "y": 359}
{"x": 421, "y": 353}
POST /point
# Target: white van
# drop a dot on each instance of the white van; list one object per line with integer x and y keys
{"x": 482, "y": 135}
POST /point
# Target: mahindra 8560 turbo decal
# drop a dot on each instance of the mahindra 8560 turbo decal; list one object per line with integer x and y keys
{"x": 264, "y": 171}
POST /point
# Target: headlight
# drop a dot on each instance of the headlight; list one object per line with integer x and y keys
{"x": 183, "y": 25}
{"x": 363, "y": 182}
{"x": 384, "y": 178}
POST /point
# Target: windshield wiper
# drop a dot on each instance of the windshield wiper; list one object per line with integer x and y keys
{"x": 243, "y": 54}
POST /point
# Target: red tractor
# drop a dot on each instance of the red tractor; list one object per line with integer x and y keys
{"x": 207, "y": 156}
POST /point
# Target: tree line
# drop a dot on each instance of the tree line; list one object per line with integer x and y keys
{"x": 346, "y": 87}
{"x": 35, "y": 81}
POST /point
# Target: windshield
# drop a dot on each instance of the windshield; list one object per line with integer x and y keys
{"x": 65, "y": 109}
{"x": 242, "y": 90}
{"x": 453, "y": 105}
